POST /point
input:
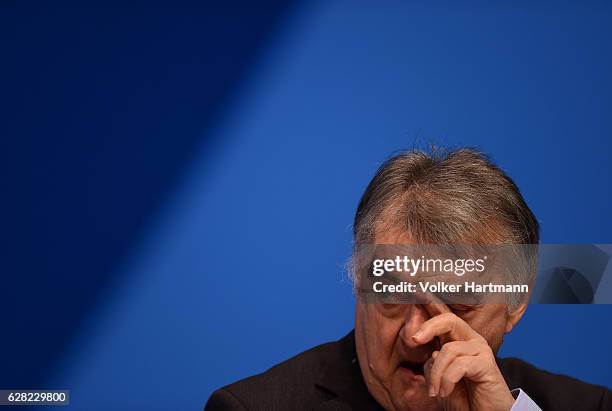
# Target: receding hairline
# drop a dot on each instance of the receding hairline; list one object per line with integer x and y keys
{"x": 442, "y": 195}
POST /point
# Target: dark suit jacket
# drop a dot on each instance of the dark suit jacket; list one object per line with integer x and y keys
{"x": 328, "y": 377}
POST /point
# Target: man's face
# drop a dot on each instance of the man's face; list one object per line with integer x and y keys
{"x": 392, "y": 363}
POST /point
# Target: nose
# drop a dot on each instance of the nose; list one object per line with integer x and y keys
{"x": 415, "y": 316}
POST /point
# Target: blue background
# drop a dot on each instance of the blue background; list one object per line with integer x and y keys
{"x": 179, "y": 180}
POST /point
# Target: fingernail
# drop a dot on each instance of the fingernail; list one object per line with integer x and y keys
{"x": 418, "y": 334}
{"x": 432, "y": 392}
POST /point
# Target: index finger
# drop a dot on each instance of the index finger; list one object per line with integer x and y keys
{"x": 445, "y": 325}
{"x": 434, "y": 309}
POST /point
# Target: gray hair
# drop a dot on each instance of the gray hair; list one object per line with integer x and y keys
{"x": 445, "y": 197}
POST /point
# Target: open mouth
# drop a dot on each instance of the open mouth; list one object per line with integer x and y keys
{"x": 415, "y": 367}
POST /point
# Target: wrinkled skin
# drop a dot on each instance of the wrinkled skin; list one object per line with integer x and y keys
{"x": 433, "y": 356}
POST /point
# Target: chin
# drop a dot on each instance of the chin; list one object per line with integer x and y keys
{"x": 417, "y": 403}
{"x": 412, "y": 395}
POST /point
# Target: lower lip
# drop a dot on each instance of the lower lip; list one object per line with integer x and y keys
{"x": 408, "y": 373}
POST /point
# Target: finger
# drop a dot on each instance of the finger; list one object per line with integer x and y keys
{"x": 436, "y": 308}
{"x": 461, "y": 367}
{"x": 446, "y": 325}
{"x": 427, "y": 372}
{"x": 449, "y": 352}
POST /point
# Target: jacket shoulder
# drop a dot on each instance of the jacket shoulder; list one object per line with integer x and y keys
{"x": 554, "y": 391}
{"x": 286, "y": 384}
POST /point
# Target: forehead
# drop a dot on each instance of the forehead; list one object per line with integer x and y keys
{"x": 485, "y": 319}
{"x": 478, "y": 315}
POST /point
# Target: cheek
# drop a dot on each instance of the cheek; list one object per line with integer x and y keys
{"x": 491, "y": 326}
{"x": 379, "y": 334}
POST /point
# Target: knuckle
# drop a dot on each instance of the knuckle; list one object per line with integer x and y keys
{"x": 487, "y": 354}
{"x": 449, "y": 316}
{"x": 451, "y": 348}
{"x": 486, "y": 348}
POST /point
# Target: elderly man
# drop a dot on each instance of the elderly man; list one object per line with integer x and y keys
{"x": 423, "y": 356}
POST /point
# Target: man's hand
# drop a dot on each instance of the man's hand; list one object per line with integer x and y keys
{"x": 463, "y": 374}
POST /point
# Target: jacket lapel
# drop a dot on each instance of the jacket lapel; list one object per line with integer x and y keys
{"x": 341, "y": 379}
